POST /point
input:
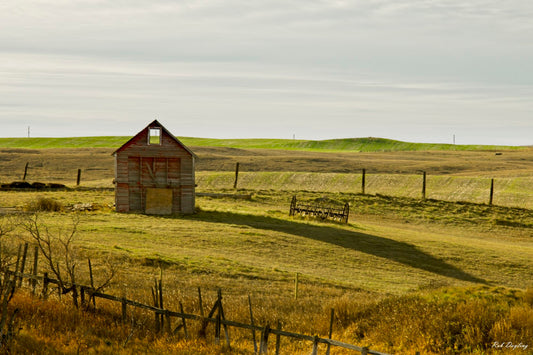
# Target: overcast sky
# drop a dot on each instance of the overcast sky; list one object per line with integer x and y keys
{"x": 413, "y": 70}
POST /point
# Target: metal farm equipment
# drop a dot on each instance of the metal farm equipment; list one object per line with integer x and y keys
{"x": 319, "y": 211}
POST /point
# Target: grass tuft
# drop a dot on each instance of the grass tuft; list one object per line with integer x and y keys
{"x": 44, "y": 204}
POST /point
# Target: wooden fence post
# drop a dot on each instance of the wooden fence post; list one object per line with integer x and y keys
{"x": 45, "y": 285}
{"x": 183, "y": 322}
{"x": 155, "y": 298}
{"x": 293, "y": 206}
{"x": 263, "y": 347}
{"x": 34, "y": 271}
{"x": 252, "y": 323}
{"x": 315, "y": 346}
{"x": 217, "y": 324}
{"x": 346, "y": 213}
{"x": 75, "y": 295}
{"x": 200, "y": 302}
{"x": 25, "y": 172}
{"x": 23, "y": 264}
{"x": 92, "y": 285}
{"x": 491, "y": 191}
{"x": 124, "y": 309}
{"x": 332, "y": 317}
{"x": 278, "y": 339}
{"x": 82, "y": 297}
{"x": 220, "y": 318}
{"x": 363, "y": 181}
{"x": 423, "y": 185}
{"x": 17, "y": 263}
{"x": 79, "y": 178}
{"x": 236, "y": 175}
{"x": 203, "y": 328}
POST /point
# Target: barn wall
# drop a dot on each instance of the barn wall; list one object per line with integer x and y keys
{"x": 139, "y": 163}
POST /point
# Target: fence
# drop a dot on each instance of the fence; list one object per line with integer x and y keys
{"x": 163, "y": 316}
{"x": 505, "y": 191}
{"x": 319, "y": 211}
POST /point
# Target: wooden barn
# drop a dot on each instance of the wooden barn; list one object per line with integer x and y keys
{"x": 154, "y": 173}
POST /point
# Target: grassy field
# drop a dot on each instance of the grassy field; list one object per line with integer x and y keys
{"x": 465, "y": 266}
{"x": 508, "y": 191}
{"x": 369, "y": 144}
{"x": 418, "y": 253}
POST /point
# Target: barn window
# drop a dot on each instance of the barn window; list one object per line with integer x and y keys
{"x": 154, "y": 136}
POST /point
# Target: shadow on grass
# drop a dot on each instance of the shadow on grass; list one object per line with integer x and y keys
{"x": 390, "y": 249}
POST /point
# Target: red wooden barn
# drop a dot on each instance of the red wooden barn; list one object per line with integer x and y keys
{"x": 154, "y": 173}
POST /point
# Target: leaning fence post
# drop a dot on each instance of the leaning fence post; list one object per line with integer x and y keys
{"x": 92, "y": 285}
{"x": 236, "y": 175}
{"x": 23, "y": 264}
{"x": 252, "y": 323}
{"x": 217, "y": 324}
{"x": 221, "y": 311}
{"x": 155, "y": 298}
{"x": 25, "y": 172}
{"x": 315, "y": 346}
{"x": 183, "y": 322}
{"x": 34, "y": 271}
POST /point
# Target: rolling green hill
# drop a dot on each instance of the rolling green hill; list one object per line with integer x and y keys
{"x": 368, "y": 144}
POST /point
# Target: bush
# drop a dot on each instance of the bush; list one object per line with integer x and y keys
{"x": 44, "y": 204}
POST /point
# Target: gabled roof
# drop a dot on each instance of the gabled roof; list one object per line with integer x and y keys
{"x": 156, "y": 123}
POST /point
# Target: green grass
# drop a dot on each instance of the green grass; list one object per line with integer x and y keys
{"x": 256, "y": 241}
{"x": 332, "y": 145}
{"x": 508, "y": 191}
{"x": 403, "y": 275}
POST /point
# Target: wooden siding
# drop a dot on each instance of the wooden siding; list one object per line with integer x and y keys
{"x": 140, "y": 165}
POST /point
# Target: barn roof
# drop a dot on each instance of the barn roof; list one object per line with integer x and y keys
{"x": 156, "y": 123}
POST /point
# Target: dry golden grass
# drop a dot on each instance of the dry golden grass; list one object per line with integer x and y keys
{"x": 97, "y": 164}
{"x": 400, "y": 258}
{"x": 449, "y": 321}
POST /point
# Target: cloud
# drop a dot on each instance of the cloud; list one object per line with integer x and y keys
{"x": 260, "y": 68}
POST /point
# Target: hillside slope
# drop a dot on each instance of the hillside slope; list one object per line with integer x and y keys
{"x": 347, "y": 144}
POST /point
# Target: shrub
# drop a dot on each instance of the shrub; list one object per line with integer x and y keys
{"x": 44, "y": 204}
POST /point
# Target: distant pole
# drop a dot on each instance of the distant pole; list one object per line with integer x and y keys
{"x": 79, "y": 178}
{"x": 491, "y": 191}
{"x": 363, "y": 181}
{"x": 424, "y": 186}
{"x": 236, "y": 175}
{"x": 28, "y": 131}
{"x": 454, "y": 139}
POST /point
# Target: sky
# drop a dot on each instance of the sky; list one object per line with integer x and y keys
{"x": 412, "y": 70}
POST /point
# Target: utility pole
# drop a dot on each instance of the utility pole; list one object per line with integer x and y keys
{"x": 28, "y": 131}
